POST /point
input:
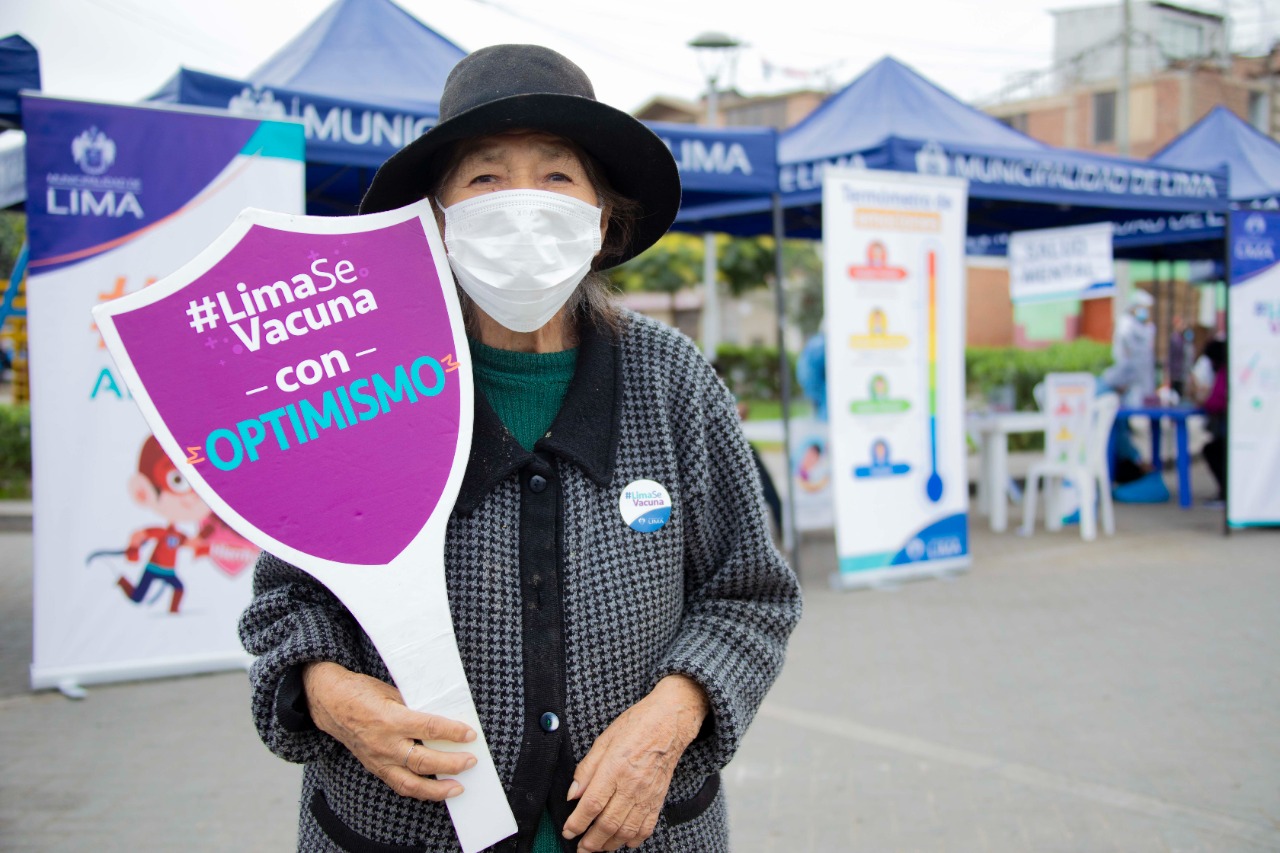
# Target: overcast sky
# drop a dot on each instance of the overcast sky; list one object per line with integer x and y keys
{"x": 123, "y": 50}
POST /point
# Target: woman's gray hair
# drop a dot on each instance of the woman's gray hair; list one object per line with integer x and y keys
{"x": 593, "y": 300}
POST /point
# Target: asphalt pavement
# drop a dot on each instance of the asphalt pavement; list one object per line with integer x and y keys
{"x": 1120, "y": 695}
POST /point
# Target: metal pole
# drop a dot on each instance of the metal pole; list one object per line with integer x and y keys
{"x": 1271, "y": 91}
{"x": 1226, "y": 281}
{"x": 1164, "y": 271}
{"x": 715, "y": 51}
{"x": 1122, "y": 96}
{"x": 790, "y": 534}
{"x": 711, "y": 298}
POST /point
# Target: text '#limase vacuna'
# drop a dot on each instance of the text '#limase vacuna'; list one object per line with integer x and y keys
{"x": 284, "y": 310}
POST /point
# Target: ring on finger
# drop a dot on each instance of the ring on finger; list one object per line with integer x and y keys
{"x": 412, "y": 747}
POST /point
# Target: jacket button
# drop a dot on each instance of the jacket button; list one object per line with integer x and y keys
{"x": 550, "y": 722}
{"x": 537, "y": 484}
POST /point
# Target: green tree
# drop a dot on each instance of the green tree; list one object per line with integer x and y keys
{"x": 745, "y": 263}
{"x": 802, "y": 263}
{"x": 13, "y": 231}
{"x": 669, "y": 266}
{"x": 674, "y": 263}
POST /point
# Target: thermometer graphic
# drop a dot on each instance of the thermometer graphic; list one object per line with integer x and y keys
{"x": 933, "y": 487}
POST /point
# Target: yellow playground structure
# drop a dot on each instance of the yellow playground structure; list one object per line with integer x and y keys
{"x": 13, "y": 329}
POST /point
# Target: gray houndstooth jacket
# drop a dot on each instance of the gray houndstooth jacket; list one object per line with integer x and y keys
{"x": 559, "y": 606}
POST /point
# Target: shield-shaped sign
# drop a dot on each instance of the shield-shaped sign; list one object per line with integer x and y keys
{"x": 310, "y": 378}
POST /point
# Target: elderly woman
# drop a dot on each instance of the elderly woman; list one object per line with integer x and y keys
{"x": 615, "y": 661}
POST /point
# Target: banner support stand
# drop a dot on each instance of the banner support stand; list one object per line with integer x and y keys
{"x": 790, "y": 535}
{"x": 1226, "y": 321}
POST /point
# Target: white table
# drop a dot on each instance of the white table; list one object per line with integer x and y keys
{"x": 991, "y": 430}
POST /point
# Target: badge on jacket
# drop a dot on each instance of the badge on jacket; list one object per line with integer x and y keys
{"x": 645, "y": 506}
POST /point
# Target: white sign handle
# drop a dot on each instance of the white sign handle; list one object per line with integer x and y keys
{"x": 409, "y": 595}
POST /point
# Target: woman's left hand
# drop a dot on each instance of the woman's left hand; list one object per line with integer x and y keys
{"x": 622, "y": 782}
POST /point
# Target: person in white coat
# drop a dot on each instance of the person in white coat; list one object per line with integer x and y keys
{"x": 1133, "y": 350}
{"x": 1132, "y": 375}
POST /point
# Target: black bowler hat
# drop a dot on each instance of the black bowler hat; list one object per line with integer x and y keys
{"x": 525, "y": 86}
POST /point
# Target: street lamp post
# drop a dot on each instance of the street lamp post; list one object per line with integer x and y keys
{"x": 716, "y": 53}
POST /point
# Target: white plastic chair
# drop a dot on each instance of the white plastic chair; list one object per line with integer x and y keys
{"x": 1087, "y": 472}
{"x": 1037, "y": 393}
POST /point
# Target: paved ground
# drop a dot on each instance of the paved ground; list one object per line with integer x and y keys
{"x": 1116, "y": 696}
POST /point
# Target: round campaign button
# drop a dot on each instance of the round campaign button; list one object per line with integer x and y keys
{"x": 645, "y": 506}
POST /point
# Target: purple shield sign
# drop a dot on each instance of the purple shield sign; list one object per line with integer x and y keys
{"x": 311, "y": 379}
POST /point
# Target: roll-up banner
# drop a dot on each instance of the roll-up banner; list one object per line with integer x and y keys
{"x": 1253, "y": 359}
{"x": 134, "y": 576}
{"x": 811, "y": 474}
{"x": 895, "y": 291}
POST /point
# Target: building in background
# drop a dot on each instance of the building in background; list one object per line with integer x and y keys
{"x": 735, "y": 109}
{"x": 669, "y": 108}
{"x": 1180, "y": 68}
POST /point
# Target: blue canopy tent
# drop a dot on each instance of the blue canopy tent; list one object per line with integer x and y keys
{"x": 1223, "y": 138}
{"x": 19, "y": 69}
{"x": 364, "y": 78}
{"x": 719, "y": 164}
{"x": 892, "y": 118}
{"x": 1252, "y": 158}
{"x": 1220, "y": 139}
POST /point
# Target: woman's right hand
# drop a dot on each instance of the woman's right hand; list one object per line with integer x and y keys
{"x": 370, "y": 719}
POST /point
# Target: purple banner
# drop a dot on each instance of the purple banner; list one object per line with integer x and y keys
{"x": 311, "y": 380}
{"x": 1255, "y": 243}
{"x": 110, "y": 170}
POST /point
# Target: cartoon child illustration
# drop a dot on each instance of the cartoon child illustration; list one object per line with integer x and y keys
{"x": 881, "y": 463}
{"x": 879, "y": 453}
{"x": 879, "y": 387}
{"x": 877, "y": 254}
{"x": 877, "y": 323}
{"x": 812, "y": 471}
{"x": 159, "y": 487}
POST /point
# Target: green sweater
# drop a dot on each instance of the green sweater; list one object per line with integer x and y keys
{"x": 525, "y": 389}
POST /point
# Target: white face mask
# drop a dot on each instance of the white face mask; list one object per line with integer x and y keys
{"x": 520, "y": 254}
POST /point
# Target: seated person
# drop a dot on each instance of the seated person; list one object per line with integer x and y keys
{"x": 1214, "y": 402}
